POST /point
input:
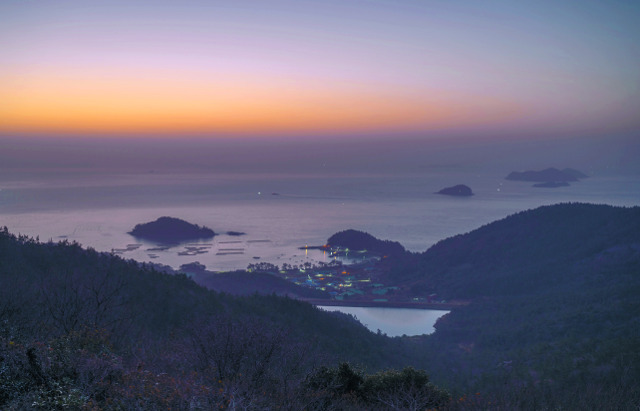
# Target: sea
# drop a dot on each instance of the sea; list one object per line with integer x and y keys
{"x": 284, "y": 196}
{"x": 278, "y": 214}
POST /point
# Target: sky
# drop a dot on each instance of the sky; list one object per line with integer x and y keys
{"x": 308, "y": 68}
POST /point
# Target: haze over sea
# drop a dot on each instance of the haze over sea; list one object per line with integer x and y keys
{"x": 286, "y": 194}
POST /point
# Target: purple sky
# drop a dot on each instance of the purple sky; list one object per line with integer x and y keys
{"x": 309, "y": 68}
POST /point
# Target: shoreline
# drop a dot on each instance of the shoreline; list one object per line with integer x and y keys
{"x": 386, "y": 304}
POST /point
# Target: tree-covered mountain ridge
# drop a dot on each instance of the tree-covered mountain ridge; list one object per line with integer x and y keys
{"x": 544, "y": 247}
{"x": 554, "y": 307}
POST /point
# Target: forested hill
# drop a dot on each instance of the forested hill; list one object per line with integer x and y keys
{"x": 546, "y": 247}
{"x": 83, "y": 329}
{"x": 554, "y": 307}
{"x": 359, "y": 240}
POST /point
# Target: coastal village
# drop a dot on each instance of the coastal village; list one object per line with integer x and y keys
{"x": 351, "y": 278}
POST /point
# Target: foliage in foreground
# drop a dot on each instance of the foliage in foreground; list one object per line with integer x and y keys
{"x": 408, "y": 389}
{"x": 220, "y": 368}
{"x": 86, "y": 330}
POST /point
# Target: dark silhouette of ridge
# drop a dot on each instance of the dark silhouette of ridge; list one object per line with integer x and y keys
{"x": 249, "y": 283}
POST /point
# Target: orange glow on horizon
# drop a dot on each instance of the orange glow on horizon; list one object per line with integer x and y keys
{"x": 165, "y": 102}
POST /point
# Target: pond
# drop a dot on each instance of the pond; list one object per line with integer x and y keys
{"x": 393, "y": 321}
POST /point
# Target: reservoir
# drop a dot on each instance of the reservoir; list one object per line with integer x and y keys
{"x": 394, "y": 322}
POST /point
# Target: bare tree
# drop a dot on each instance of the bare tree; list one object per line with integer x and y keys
{"x": 73, "y": 300}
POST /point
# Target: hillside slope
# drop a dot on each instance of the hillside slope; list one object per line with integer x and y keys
{"x": 528, "y": 251}
{"x": 81, "y": 329}
{"x": 52, "y": 289}
{"x": 553, "y": 308}
{"x": 248, "y": 283}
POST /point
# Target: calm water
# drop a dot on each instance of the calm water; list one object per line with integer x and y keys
{"x": 278, "y": 213}
{"x": 394, "y": 322}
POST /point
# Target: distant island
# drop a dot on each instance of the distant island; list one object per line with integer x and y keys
{"x": 171, "y": 230}
{"x": 550, "y": 177}
{"x": 459, "y": 190}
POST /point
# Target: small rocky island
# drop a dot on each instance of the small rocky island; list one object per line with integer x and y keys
{"x": 170, "y": 230}
{"x": 550, "y": 177}
{"x": 459, "y": 190}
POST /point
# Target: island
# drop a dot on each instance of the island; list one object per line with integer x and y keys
{"x": 360, "y": 241}
{"x": 459, "y": 190}
{"x": 548, "y": 176}
{"x": 170, "y": 230}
